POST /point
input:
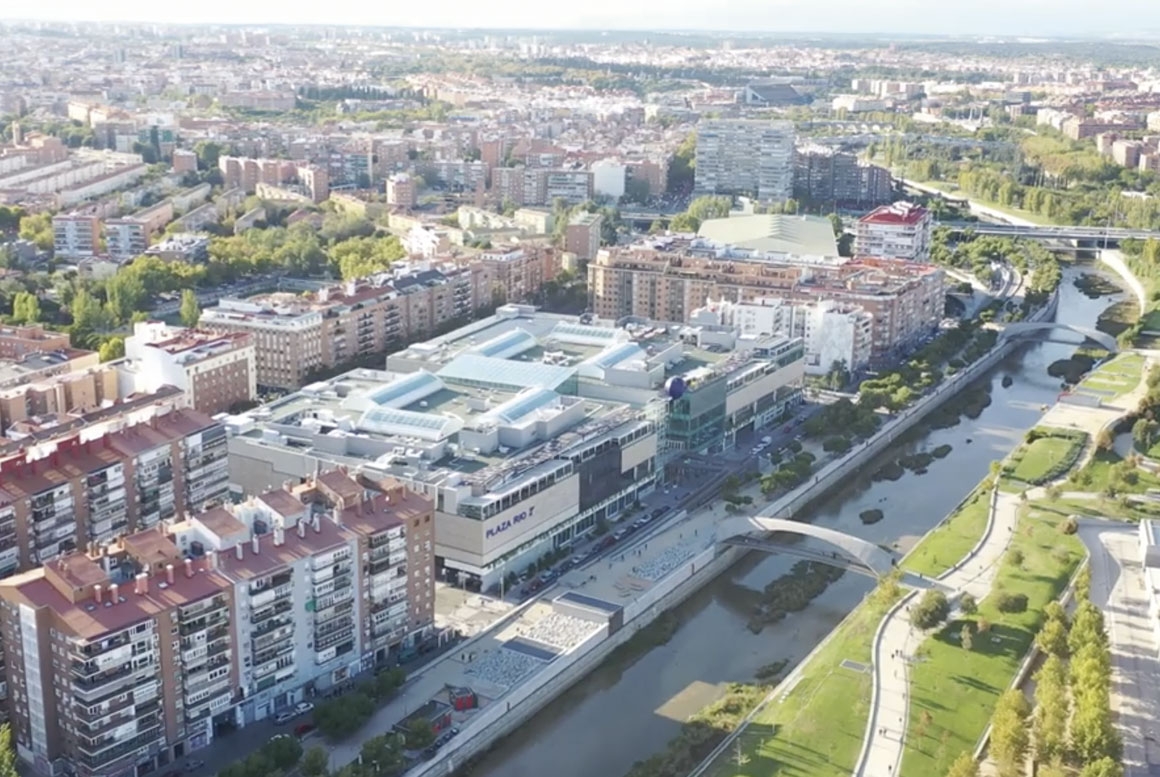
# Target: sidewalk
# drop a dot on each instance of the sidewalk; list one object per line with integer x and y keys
{"x": 897, "y": 640}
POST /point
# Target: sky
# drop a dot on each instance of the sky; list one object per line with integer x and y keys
{"x": 949, "y": 17}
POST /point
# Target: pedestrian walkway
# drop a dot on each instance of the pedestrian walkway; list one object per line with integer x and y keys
{"x": 896, "y": 641}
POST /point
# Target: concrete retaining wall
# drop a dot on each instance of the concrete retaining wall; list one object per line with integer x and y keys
{"x": 505, "y": 715}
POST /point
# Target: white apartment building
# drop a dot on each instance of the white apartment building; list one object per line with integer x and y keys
{"x": 76, "y": 235}
{"x": 831, "y": 331}
{"x": 898, "y": 231}
{"x": 608, "y": 177}
{"x": 215, "y": 370}
{"x": 125, "y": 238}
{"x": 739, "y": 156}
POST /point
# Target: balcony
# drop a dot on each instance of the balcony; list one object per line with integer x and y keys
{"x": 97, "y": 758}
{"x": 270, "y": 611}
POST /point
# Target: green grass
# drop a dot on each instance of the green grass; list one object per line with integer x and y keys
{"x": 945, "y": 544}
{"x": 1117, "y": 377}
{"x": 955, "y": 191}
{"x": 1151, "y": 320}
{"x": 1045, "y": 457}
{"x": 953, "y": 690}
{"x": 817, "y": 729}
{"x": 1102, "y": 507}
{"x": 1099, "y": 471}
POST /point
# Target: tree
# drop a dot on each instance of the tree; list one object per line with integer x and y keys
{"x": 968, "y": 605}
{"x": 113, "y": 348}
{"x": 1087, "y": 627}
{"x": 338, "y": 718}
{"x": 1104, "y": 767}
{"x": 7, "y": 753}
{"x": 1093, "y": 736}
{"x": 420, "y": 733}
{"x": 38, "y": 229}
{"x": 283, "y": 752}
{"x": 26, "y": 308}
{"x": 315, "y": 763}
{"x": 964, "y": 766}
{"x": 931, "y": 610}
{"x": 126, "y": 294}
{"x": 1051, "y": 709}
{"x": 382, "y": 755}
{"x": 190, "y": 308}
{"x": 1052, "y": 638}
{"x": 1009, "y": 738}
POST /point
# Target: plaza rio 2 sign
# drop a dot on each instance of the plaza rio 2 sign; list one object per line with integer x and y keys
{"x": 507, "y": 523}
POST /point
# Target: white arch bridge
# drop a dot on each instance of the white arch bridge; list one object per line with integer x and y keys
{"x": 1027, "y": 329}
{"x": 849, "y": 552}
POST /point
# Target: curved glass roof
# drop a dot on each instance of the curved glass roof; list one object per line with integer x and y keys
{"x": 610, "y": 357}
{"x": 522, "y": 405}
{"x": 405, "y": 423}
{"x": 585, "y": 335}
{"x": 405, "y": 390}
{"x": 506, "y": 345}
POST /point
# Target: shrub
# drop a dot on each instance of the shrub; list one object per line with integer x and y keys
{"x": 1069, "y": 526}
{"x": 931, "y": 610}
{"x": 968, "y": 604}
{"x": 1010, "y": 603}
{"x": 795, "y": 446}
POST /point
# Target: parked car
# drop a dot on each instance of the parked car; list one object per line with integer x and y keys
{"x": 619, "y": 534}
{"x": 193, "y": 766}
{"x": 285, "y": 717}
{"x": 303, "y": 729}
{"x": 303, "y": 707}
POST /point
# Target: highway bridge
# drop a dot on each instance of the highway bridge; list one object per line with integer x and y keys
{"x": 1095, "y": 234}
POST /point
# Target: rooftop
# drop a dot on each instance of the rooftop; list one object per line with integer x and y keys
{"x": 775, "y": 233}
{"x": 896, "y": 213}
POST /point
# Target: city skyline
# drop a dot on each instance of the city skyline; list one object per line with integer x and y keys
{"x": 903, "y": 17}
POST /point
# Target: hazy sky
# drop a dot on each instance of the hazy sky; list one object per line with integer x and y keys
{"x": 1012, "y": 17}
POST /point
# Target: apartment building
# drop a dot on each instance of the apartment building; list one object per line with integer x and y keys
{"x": 49, "y": 393}
{"x": 582, "y": 235}
{"x": 668, "y": 280}
{"x": 124, "y": 659}
{"x": 18, "y": 341}
{"x": 88, "y": 487}
{"x": 898, "y": 231}
{"x": 295, "y": 335}
{"x": 216, "y": 370}
{"x": 518, "y": 273}
{"x": 540, "y": 186}
{"x": 825, "y": 175}
{"x": 128, "y": 238}
{"x": 402, "y": 191}
{"x": 76, "y": 235}
{"x": 745, "y": 156}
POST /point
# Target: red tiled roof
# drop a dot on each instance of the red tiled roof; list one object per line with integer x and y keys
{"x": 898, "y": 213}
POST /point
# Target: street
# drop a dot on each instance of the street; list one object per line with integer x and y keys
{"x": 1118, "y": 588}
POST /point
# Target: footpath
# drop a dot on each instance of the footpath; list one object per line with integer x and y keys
{"x": 897, "y": 640}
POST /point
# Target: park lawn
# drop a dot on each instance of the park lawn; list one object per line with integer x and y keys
{"x": 1041, "y": 456}
{"x": 945, "y": 544}
{"x": 1101, "y": 507}
{"x": 1118, "y": 376}
{"x": 1151, "y": 320}
{"x": 955, "y": 191}
{"x": 1096, "y": 475}
{"x": 955, "y": 689}
{"x": 817, "y": 728}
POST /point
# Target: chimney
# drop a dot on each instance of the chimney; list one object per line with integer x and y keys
{"x": 113, "y": 593}
{"x": 301, "y": 528}
{"x": 97, "y": 594}
{"x": 279, "y": 536}
{"x": 238, "y": 551}
{"x": 317, "y": 525}
{"x": 142, "y": 584}
{"x": 211, "y": 559}
{"x": 169, "y": 574}
{"x": 189, "y": 567}
{"x": 255, "y": 545}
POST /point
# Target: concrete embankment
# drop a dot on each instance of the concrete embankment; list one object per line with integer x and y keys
{"x": 507, "y": 713}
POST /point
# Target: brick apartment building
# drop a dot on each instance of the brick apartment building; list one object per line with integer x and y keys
{"x": 130, "y": 656}
{"x": 668, "y": 282}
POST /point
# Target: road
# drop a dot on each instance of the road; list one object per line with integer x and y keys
{"x": 1118, "y": 588}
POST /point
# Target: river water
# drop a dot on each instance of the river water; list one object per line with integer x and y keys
{"x": 629, "y": 709}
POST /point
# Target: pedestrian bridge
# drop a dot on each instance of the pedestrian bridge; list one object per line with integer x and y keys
{"x": 848, "y": 552}
{"x": 1031, "y": 328}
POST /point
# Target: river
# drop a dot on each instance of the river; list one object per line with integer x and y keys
{"x": 629, "y": 709}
